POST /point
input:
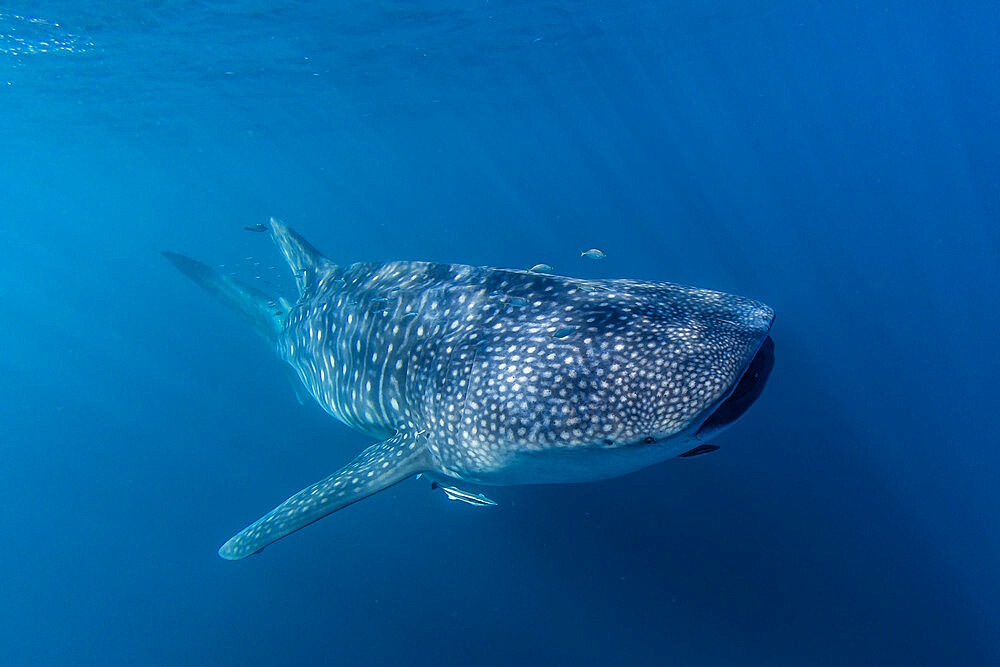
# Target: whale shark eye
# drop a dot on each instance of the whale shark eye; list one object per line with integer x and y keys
{"x": 649, "y": 440}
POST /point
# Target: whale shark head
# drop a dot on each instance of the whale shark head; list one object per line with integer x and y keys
{"x": 643, "y": 364}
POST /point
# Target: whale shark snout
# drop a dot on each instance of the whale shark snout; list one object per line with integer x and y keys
{"x": 740, "y": 330}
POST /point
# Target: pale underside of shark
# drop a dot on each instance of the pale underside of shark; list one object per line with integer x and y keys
{"x": 496, "y": 376}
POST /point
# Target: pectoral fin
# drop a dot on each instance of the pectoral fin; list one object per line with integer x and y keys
{"x": 378, "y": 467}
{"x": 301, "y": 393}
{"x": 699, "y": 450}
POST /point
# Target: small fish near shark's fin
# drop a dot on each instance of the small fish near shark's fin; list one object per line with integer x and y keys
{"x": 378, "y": 467}
{"x": 305, "y": 261}
{"x": 260, "y": 310}
{"x": 455, "y": 493}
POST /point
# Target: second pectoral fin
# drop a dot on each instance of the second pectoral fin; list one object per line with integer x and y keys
{"x": 699, "y": 450}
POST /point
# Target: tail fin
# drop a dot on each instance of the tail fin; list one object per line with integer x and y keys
{"x": 307, "y": 263}
{"x": 264, "y": 313}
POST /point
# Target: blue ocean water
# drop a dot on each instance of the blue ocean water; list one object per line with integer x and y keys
{"x": 836, "y": 160}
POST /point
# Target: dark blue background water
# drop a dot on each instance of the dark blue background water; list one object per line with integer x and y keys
{"x": 836, "y": 160}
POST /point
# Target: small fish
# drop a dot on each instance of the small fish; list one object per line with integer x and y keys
{"x": 509, "y": 300}
{"x": 593, "y": 253}
{"x": 408, "y": 315}
{"x": 454, "y": 493}
{"x": 565, "y": 331}
{"x": 540, "y": 268}
{"x": 259, "y": 227}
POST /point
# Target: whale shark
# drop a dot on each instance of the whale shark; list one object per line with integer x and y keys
{"x": 490, "y": 376}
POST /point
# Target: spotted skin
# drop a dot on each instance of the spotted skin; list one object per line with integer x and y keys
{"x": 498, "y": 376}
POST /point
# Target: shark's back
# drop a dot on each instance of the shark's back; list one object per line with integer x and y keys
{"x": 371, "y": 341}
{"x": 387, "y": 345}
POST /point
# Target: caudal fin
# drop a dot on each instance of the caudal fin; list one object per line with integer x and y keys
{"x": 306, "y": 262}
{"x": 261, "y": 311}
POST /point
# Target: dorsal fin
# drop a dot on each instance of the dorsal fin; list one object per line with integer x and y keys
{"x": 306, "y": 262}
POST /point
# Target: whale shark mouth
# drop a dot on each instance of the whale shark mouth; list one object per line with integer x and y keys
{"x": 747, "y": 390}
